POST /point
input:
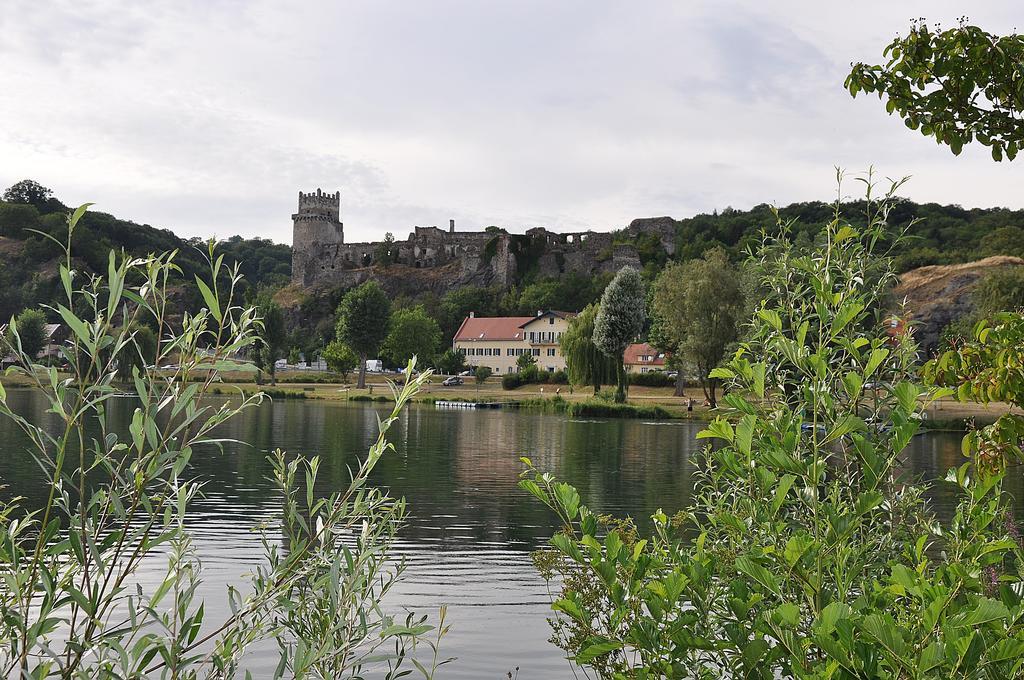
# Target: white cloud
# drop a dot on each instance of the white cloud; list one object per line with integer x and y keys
{"x": 208, "y": 117}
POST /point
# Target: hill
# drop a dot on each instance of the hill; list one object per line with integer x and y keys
{"x": 938, "y": 295}
{"x": 29, "y": 261}
{"x": 942, "y": 235}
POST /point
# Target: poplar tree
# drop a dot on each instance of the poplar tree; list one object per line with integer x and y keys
{"x": 620, "y": 319}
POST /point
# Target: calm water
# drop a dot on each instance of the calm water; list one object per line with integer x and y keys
{"x": 471, "y": 530}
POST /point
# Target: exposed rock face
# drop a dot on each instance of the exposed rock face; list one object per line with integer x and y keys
{"x": 439, "y": 260}
{"x": 938, "y": 294}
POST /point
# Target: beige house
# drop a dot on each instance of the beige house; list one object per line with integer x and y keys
{"x": 499, "y": 341}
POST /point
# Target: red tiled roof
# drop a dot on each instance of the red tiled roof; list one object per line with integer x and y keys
{"x": 491, "y": 328}
{"x": 639, "y": 349}
{"x": 552, "y": 312}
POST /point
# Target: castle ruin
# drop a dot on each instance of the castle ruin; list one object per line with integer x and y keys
{"x": 320, "y": 255}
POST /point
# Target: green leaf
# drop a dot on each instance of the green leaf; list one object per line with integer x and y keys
{"x": 878, "y": 355}
{"x": 748, "y": 566}
{"x": 719, "y": 428}
{"x": 209, "y": 298}
{"x": 595, "y": 650}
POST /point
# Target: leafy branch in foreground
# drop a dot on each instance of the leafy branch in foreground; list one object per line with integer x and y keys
{"x": 956, "y": 85}
{"x": 807, "y": 552}
{"x": 72, "y": 603}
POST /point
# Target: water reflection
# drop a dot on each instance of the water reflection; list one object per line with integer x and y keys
{"x": 471, "y": 529}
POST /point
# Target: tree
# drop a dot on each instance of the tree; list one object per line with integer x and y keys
{"x": 452, "y": 362}
{"x": 340, "y": 358}
{"x": 525, "y": 360}
{"x": 585, "y": 363}
{"x": 294, "y": 356}
{"x": 137, "y": 354}
{"x": 363, "y": 316}
{"x": 31, "y": 325}
{"x": 412, "y": 332}
{"x": 620, "y": 318}
{"x": 272, "y": 335}
{"x": 482, "y": 373}
{"x": 1002, "y": 241}
{"x": 957, "y": 85}
{"x": 1001, "y": 290}
{"x": 699, "y": 305}
{"x": 387, "y": 251}
{"x": 31, "y": 193}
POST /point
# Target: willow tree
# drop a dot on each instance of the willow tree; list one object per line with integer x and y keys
{"x": 585, "y": 363}
{"x": 619, "y": 321}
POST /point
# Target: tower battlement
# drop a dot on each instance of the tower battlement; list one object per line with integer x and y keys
{"x": 316, "y": 226}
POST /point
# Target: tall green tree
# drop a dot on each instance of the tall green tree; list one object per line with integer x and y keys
{"x": 619, "y": 321}
{"x": 31, "y": 193}
{"x": 31, "y": 325}
{"x": 272, "y": 335}
{"x": 700, "y": 305}
{"x": 363, "y": 316}
{"x": 585, "y": 363}
{"x": 956, "y": 85}
{"x": 412, "y": 333}
{"x": 340, "y": 358}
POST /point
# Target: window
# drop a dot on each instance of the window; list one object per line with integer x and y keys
{"x": 536, "y": 352}
{"x": 551, "y": 321}
{"x": 551, "y": 352}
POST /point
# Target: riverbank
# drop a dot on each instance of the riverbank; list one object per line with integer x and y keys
{"x": 643, "y": 402}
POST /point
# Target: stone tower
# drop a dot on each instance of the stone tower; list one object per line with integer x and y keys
{"x": 316, "y": 227}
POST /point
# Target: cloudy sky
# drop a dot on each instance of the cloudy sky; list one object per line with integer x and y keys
{"x": 208, "y": 116}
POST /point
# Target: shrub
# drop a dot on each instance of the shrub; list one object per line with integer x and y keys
{"x": 807, "y": 553}
{"x": 651, "y": 379}
{"x": 511, "y": 381}
{"x": 73, "y": 601}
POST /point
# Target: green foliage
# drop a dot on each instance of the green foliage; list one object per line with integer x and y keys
{"x": 989, "y": 367}
{"x": 272, "y": 334}
{"x": 1002, "y": 241}
{"x": 452, "y": 362}
{"x": 1001, "y": 290}
{"x": 586, "y": 364}
{"x": 138, "y": 354}
{"x": 411, "y": 333}
{"x": 363, "y": 317}
{"x": 482, "y": 373}
{"x": 75, "y": 601}
{"x": 30, "y": 327}
{"x": 387, "y": 251}
{"x": 651, "y": 379}
{"x": 699, "y": 305}
{"x": 956, "y": 85}
{"x": 32, "y": 193}
{"x": 340, "y": 358}
{"x": 806, "y": 553}
{"x": 620, "y": 319}
{"x": 526, "y": 360}
{"x": 571, "y": 291}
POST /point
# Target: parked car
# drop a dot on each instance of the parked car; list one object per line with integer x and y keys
{"x": 452, "y": 380}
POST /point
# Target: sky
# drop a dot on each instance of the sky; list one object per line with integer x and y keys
{"x": 207, "y": 117}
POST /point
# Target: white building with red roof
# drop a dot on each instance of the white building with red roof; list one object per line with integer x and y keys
{"x": 641, "y": 357}
{"x": 498, "y": 341}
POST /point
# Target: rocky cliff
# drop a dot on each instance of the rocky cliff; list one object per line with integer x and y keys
{"x": 936, "y": 295}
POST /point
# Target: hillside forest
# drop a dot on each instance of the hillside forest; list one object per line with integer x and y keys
{"x": 30, "y": 213}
